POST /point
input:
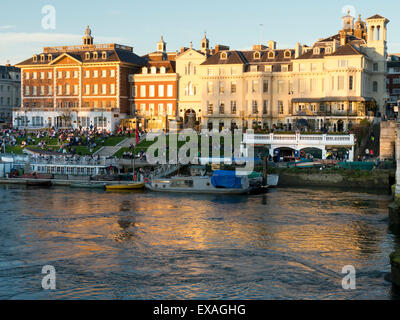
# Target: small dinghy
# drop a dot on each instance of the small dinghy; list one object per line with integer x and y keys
{"x": 129, "y": 186}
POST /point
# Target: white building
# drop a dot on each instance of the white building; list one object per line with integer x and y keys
{"x": 10, "y": 92}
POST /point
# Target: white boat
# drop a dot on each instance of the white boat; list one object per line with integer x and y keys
{"x": 221, "y": 182}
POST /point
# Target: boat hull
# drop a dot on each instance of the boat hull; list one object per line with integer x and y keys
{"x": 87, "y": 186}
{"x": 132, "y": 186}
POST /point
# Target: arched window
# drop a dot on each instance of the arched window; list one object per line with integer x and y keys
{"x": 95, "y": 55}
{"x": 328, "y": 50}
{"x": 35, "y": 58}
{"x": 224, "y": 56}
{"x": 316, "y": 51}
{"x": 288, "y": 54}
{"x": 42, "y": 58}
{"x": 163, "y": 70}
{"x": 144, "y": 70}
{"x": 257, "y": 55}
{"x": 49, "y": 57}
{"x": 104, "y": 55}
{"x": 271, "y": 55}
{"x": 87, "y": 55}
{"x": 153, "y": 70}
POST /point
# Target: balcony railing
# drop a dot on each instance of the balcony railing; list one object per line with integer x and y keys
{"x": 295, "y": 139}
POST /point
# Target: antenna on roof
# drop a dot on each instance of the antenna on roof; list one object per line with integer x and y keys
{"x": 261, "y": 31}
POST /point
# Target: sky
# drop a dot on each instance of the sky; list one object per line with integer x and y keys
{"x": 236, "y": 23}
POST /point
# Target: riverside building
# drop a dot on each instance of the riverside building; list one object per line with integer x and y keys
{"x": 10, "y": 92}
{"x": 77, "y": 86}
{"x": 332, "y": 85}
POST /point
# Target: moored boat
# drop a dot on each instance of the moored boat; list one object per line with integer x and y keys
{"x": 221, "y": 182}
{"x": 128, "y": 186}
{"x": 39, "y": 183}
{"x": 88, "y": 185}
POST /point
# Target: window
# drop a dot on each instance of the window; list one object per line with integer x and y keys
{"x": 41, "y": 92}
{"x": 288, "y": 54}
{"x": 271, "y": 55}
{"x": 75, "y": 74}
{"x": 27, "y": 76}
{"x": 375, "y": 86}
{"x": 254, "y": 107}
{"x": 222, "y": 108}
{"x": 87, "y": 55}
{"x": 87, "y": 74}
{"x": 233, "y": 71}
{"x": 67, "y": 89}
{"x": 233, "y": 87}
{"x": 351, "y": 83}
{"x": 302, "y": 85}
{"x": 27, "y": 90}
{"x": 302, "y": 67}
{"x": 59, "y": 90}
{"x": 153, "y": 70}
{"x": 221, "y": 88}
{"x": 67, "y": 74}
{"x": 134, "y": 88}
{"x": 265, "y": 86}
{"x": 34, "y": 75}
{"x": 112, "y": 73}
{"x": 163, "y": 70}
{"x": 224, "y": 56}
{"x": 34, "y": 90}
{"x": 87, "y": 89}
{"x": 112, "y": 88}
{"x": 285, "y": 68}
{"x": 254, "y": 86}
{"x": 210, "y": 109}
{"x": 265, "y": 107}
{"x": 161, "y": 90}
{"x": 257, "y": 55}
{"x": 49, "y": 90}
{"x": 170, "y": 90}
{"x": 375, "y": 67}
{"x": 160, "y": 108}
{"x": 314, "y": 67}
{"x": 103, "y": 89}
{"x": 233, "y": 107}
{"x": 210, "y": 71}
{"x": 76, "y": 89}
{"x": 253, "y": 68}
{"x": 328, "y": 50}
{"x": 210, "y": 87}
{"x": 142, "y": 91}
{"x": 104, "y": 73}
{"x": 96, "y": 89}
{"x": 95, "y": 73}
{"x": 342, "y": 63}
{"x": 151, "y": 91}
{"x": 280, "y": 107}
{"x": 42, "y": 75}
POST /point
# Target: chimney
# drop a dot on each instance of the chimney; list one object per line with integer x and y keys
{"x": 272, "y": 45}
{"x": 299, "y": 49}
{"x": 259, "y": 47}
{"x": 220, "y": 47}
{"x": 183, "y": 49}
{"x": 343, "y": 38}
{"x": 335, "y": 45}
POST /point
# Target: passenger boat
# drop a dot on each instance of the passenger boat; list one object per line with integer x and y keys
{"x": 129, "y": 186}
{"x": 221, "y": 182}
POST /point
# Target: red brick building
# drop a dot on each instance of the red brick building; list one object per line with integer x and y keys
{"x": 154, "y": 91}
{"x": 393, "y": 80}
{"x": 77, "y": 86}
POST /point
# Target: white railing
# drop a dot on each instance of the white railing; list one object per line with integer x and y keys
{"x": 291, "y": 139}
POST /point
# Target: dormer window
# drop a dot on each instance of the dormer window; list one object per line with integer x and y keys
{"x": 288, "y": 54}
{"x": 224, "y": 56}
{"x": 104, "y": 55}
{"x": 316, "y": 51}
{"x": 163, "y": 70}
{"x": 153, "y": 70}
{"x": 35, "y": 58}
{"x": 42, "y": 58}
{"x": 328, "y": 50}
{"x": 95, "y": 55}
{"x": 87, "y": 55}
{"x": 144, "y": 70}
{"x": 49, "y": 57}
{"x": 257, "y": 55}
{"x": 271, "y": 55}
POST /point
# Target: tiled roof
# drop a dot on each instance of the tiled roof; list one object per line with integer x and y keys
{"x": 377, "y": 16}
{"x": 345, "y": 50}
{"x": 247, "y": 57}
{"x": 112, "y": 56}
{"x": 6, "y": 69}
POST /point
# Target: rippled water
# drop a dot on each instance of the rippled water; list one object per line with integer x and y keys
{"x": 288, "y": 244}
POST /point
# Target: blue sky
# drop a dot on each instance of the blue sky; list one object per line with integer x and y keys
{"x": 141, "y": 23}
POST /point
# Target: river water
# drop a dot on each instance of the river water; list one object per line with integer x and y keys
{"x": 291, "y": 243}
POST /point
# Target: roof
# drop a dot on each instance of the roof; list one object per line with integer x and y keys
{"x": 247, "y": 57}
{"x": 6, "y": 69}
{"x": 115, "y": 55}
{"x": 345, "y": 50}
{"x": 377, "y": 16}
